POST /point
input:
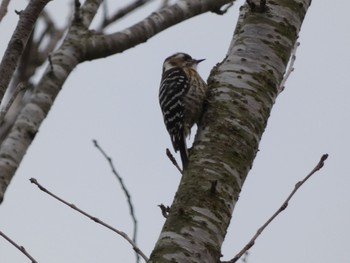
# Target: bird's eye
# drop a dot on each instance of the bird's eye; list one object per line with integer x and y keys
{"x": 187, "y": 57}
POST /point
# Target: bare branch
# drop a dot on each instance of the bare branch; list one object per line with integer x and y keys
{"x": 54, "y": 34}
{"x": 39, "y": 52}
{"x": 18, "y": 42}
{"x": 93, "y": 218}
{"x": 20, "y": 248}
{"x": 88, "y": 11}
{"x": 3, "y": 8}
{"x": 80, "y": 45}
{"x": 101, "y": 45}
{"x": 24, "y": 69}
{"x": 32, "y": 57}
{"x": 47, "y": 18}
{"x": 165, "y": 210}
{"x": 121, "y": 13}
{"x": 125, "y": 190}
{"x": 67, "y": 57}
{"x": 282, "y": 208}
{"x": 54, "y": 37}
{"x": 35, "y": 53}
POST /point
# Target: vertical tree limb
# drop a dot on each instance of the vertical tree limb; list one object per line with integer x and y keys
{"x": 243, "y": 89}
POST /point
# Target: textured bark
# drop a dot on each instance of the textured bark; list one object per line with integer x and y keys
{"x": 243, "y": 89}
{"x": 63, "y": 61}
{"x": 18, "y": 42}
{"x": 104, "y": 45}
{"x": 80, "y": 45}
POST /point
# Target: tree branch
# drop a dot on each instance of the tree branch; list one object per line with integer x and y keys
{"x": 80, "y": 45}
{"x": 33, "y": 56}
{"x": 24, "y": 129}
{"x": 88, "y": 11}
{"x": 243, "y": 88}
{"x": 122, "y": 12}
{"x": 101, "y": 45}
{"x": 51, "y": 33}
{"x": 20, "y": 248}
{"x": 125, "y": 190}
{"x": 18, "y": 42}
{"x": 93, "y": 218}
{"x": 282, "y": 208}
{"x": 3, "y": 8}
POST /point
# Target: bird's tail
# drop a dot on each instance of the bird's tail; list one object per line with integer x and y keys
{"x": 183, "y": 151}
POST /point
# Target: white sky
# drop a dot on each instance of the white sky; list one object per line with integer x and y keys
{"x": 115, "y": 101}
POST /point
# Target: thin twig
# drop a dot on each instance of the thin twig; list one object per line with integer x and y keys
{"x": 122, "y": 12}
{"x": 125, "y": 190}
{"x": 3, "y": 8}
{"x": 50, "y": 33}
{"x": 173, "y": 160}
{"x": 290, "y": 68}
{"x": 93, "y": 218}
{"x": 20, "y": 248}
{"x": 282, "y": 208}
{"x": 165, "y": 210}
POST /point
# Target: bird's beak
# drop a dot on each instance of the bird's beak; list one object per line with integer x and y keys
{"x": 197, "y": 61}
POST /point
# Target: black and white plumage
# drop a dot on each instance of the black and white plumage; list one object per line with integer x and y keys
{"x": 181, "y": 96}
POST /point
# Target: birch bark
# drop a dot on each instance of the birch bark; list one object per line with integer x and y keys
{"x": 243, "y": 89}
{"x": 82, "y": 44}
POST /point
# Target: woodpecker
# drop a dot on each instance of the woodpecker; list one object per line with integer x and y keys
{"x": 181, "y": 97}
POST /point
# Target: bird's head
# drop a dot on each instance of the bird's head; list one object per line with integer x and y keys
{"x": 180, "y": 60}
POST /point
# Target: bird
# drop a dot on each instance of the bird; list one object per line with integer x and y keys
{"x": 182, "y": 94}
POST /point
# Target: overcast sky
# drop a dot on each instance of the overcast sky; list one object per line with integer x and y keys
{"x": 115, "y": 100}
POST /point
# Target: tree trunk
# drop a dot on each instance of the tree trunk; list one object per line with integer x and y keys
{"x": 243, "y": 89}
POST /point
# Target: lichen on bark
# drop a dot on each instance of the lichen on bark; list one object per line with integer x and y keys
{"x": 243, "y": 89}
